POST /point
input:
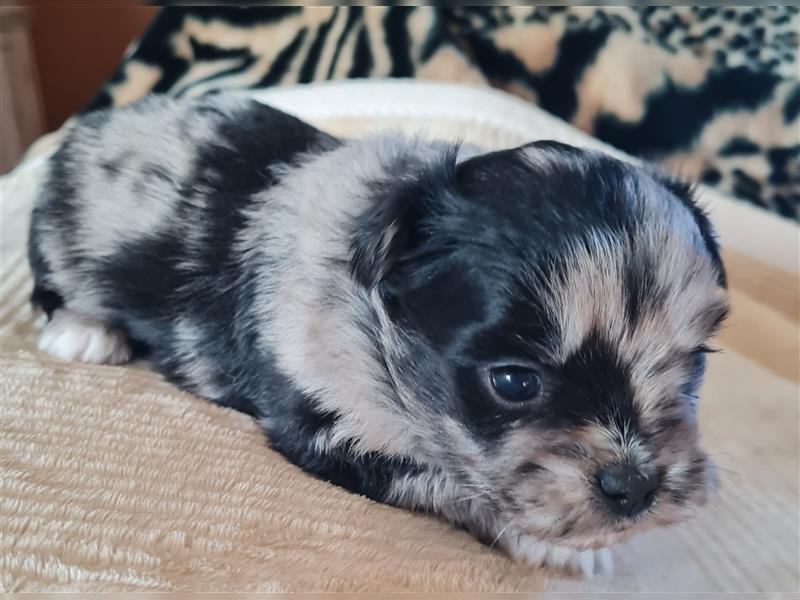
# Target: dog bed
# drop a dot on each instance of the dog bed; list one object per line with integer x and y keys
{"x": 113, "y": 480}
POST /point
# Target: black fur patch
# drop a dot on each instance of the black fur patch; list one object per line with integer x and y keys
{"x": 384, "y": 237}
{"x": 46, "y": 300}
{"x": 443, "y": 306}
{"x": 641, "y": 289}
{"x": 685, "y": 193}
{"x": 297, "y": 420}
{"x": 57, "y": 204}
{"x": 593, "y": 387}
{"x": 528, "y": 468}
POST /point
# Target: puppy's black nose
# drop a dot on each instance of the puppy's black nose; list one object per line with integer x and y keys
{"x": 628, "y": 489}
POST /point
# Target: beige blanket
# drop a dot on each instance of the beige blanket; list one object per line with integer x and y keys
{"x": 113, "y": 480}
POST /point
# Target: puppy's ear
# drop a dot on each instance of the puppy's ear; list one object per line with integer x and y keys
{"x": 687, "y": 194}
{"x": 496, "y": 168}
{"x": 395, "y": 223}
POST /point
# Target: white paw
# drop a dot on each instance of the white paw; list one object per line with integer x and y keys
{"x": 71, "y": 336}
{"x": 534, "y": 552}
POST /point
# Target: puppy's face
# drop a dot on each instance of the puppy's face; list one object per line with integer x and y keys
{"x": 554, "y": 308}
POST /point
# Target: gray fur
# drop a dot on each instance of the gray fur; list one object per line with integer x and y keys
{"x": 289, "y": 303}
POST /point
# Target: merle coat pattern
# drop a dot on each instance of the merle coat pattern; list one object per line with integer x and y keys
{"x": 370, "y": 302}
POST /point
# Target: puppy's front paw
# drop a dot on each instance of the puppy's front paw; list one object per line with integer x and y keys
{"x": 72, "y": 336}
{"x": 587, "y": 563}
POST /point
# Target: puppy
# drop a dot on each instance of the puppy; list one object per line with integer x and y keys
{"x": 512, "y": 340}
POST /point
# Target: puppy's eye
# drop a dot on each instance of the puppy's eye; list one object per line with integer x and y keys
{"x": 515, "y": 384}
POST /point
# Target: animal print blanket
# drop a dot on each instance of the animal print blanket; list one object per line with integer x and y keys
{"x": 710, "y": 93}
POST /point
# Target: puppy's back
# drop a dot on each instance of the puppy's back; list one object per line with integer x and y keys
{"x": 136, "y": 223}
{"x": 123, "y": 177}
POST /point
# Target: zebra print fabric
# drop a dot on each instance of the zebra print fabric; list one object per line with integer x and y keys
{"x": 709, "y": 93}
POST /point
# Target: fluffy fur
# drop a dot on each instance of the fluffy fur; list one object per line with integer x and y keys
{"x": 353, "y": 297}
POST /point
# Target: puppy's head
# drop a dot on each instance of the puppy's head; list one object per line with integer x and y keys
{"x": 548, "y": 310}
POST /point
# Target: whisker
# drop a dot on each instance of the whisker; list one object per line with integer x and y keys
{"x": 725, "y": 454}
{"x": 729, "y": 472}
{"x": 502, "y": 531}
{"x": 465, "y": 498}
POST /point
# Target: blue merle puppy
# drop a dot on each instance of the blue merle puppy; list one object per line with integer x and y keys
{"x": 510, "y": 340}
